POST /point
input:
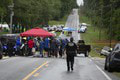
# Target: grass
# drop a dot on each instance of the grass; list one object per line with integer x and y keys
{"x": 61, "y": 21}
{"x": 94, "y": 54}
{"x": 3, "y": 32}
{"x": 92, "y": 37}
{"x": 117, "y": 74}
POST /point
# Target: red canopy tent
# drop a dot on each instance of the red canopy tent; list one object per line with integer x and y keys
{"x": 37, "y": 32}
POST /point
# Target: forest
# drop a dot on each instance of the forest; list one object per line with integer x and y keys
{"x": 104, "y": 14}
{"x": 31, "y": 13}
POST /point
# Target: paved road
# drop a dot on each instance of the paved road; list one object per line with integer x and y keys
{"x": 16, "y": 68}
{"x": 73, "y": 21}
{"x": 100, "y": 63}
{"x": 23, "y": 68}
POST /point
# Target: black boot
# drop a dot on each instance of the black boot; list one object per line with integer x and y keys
{"x": 71, "y": 68}
{"x": 68, "y": 69}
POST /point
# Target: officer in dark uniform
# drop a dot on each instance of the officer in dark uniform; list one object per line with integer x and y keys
{"x": 71, "y": 49}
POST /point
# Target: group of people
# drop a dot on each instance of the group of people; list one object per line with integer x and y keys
{"x": 47, "y": 47}
{"x": 54, "y": 46}
{"x": 50, "y": 47}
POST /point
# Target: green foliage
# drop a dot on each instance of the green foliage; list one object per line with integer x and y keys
{"x": 32, "y": 13}
{"x": 61, "y": 21}
{"x": 105, "y": 14}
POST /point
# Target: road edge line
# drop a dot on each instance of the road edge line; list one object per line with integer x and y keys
{"x": 103, "y": 72}
{"x": 29, "y": 75}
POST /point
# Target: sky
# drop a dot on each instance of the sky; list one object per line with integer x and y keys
{"x": 80, "y": 2}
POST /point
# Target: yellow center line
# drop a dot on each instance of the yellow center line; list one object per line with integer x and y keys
{"x": 46, "y": 65}
{"x": 29, "y": 75}
{"x": 37, "y": 74}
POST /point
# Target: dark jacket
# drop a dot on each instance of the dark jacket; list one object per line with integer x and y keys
{"x": 71, "y": 48}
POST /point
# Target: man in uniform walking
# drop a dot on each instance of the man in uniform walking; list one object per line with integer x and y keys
{"x": 71, "y": 49}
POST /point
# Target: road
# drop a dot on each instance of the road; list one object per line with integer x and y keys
{"x": 73, "y": 21}
{"x": 33, "y": 68}
{"x": 29, "y": 68}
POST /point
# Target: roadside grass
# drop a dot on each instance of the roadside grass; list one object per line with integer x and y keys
{"x": 56, "y": 22}
{"x": 92, "y": 37}
{"x": 1, "y": 32}
{"x": 61, "y": 21}
{"x": 94, "y": 54}
{"x": 117, "y": 74}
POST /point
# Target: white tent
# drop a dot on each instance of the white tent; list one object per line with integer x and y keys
{"x": 4, "y": 26}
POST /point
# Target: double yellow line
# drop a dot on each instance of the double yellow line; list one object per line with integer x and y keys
{"x": 29, "y": 75}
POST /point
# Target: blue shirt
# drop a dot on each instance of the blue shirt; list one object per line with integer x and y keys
{"x": 46, "y": 43}
{"x": 18, "y": 42}
{"x": 41, "y": 44}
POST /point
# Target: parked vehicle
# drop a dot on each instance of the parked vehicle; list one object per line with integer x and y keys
{"x": 4, "y": 26}
{"x": 83, "y": 24}
{"x": 59, "y": 29}
{"x": 82, "y": 48}
{"x": 105, "y": 51}
{"x": 8, "y": 41}
{"x": 82, "y": 29}
{"x": 112, "y": 61}
{"x": 1, "y": 55}
{"x": 52, "y": 28}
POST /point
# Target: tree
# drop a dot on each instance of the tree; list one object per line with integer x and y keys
{"x": 110, "y": 14}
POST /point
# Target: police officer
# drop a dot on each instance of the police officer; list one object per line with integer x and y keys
{"x": 71, "y": 48}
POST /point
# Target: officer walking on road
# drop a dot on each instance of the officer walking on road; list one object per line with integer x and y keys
{"x": 71, "y": 49}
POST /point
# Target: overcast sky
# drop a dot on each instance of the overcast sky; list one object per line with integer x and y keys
{"x": 80, "y": 2}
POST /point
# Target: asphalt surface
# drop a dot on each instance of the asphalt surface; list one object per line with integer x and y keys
{"x": 16, "y": 68}
{"x": 73, "y": 21}
{"x": 33, "y": 68}
{"x": 29, "y": 68}
{"x": 100, "y": 63}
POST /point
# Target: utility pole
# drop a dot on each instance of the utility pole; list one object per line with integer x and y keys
{"x": 11, "y": 16}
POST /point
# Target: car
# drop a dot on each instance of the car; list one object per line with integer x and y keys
{"x": 4, "y": 26}
{"x": 59, "y": 29}
{"x": 82, "y": 29}
{"x": 1, "y": 55}
{"x": 82, "y": 48}
{"x": 112, "y": 61}
{"x": 8, "y": 38}
{"x": 53, "y": 28}
{"x": 83, "y": 24}
{"x": 105, "y": 51}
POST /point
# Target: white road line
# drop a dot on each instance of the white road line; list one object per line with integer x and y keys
{"x": 103, "y": 73}
{"x": 102, "y": 64}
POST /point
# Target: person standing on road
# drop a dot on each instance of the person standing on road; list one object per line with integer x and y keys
{"x": 30, "y": 46}
{"x": 47, "y": 46}
{"x": 71, "y": 49}
{"x": 54, "y": 47}
{"x": 18, "y": 44}
{"x": 41, "y": 47}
